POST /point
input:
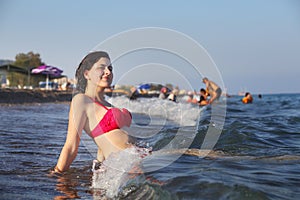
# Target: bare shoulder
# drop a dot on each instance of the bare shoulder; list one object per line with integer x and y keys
{"x": 80, "y": 101}
{"x": 79, "y": 97}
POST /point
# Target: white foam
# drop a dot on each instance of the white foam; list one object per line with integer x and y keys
{"x": 117, "y": 170}
{"x": 113, "y": 174}
{"x": 184, "y": 114}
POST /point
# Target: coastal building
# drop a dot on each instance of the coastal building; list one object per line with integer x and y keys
{"x": 12, "y": 75}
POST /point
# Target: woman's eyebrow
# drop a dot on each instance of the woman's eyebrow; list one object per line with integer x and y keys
{"x": 104, "y": 65}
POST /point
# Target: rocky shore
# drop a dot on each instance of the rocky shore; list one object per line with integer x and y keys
{"x": 20, "y": 96}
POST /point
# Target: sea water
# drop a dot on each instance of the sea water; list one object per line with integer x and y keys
{"x": 256, "y": 156}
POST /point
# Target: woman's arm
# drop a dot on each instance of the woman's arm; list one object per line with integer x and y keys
{"x": 100, "y": 156}
{"x": 77, "y": 119}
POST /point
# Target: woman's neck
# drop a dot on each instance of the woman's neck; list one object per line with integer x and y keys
{"x": 97, "y": 94}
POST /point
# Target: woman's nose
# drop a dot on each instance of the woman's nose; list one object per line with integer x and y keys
{"x": 107, "y": 70}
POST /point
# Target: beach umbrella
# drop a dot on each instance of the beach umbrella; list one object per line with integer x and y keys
{"x": 145, "y": 86}
{"x": 47, "y": 70}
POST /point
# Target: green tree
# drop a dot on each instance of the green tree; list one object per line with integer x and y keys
{"x": 28, "y": 61}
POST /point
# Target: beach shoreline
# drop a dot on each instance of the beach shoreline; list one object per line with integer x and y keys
{"x": 24, "y": 96}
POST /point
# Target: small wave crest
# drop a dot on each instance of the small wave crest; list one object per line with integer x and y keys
{"x": 118, "y": 170}
{"x": 182, "y": 113}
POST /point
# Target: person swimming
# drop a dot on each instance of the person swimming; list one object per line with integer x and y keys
{"x": 247, "y": 98}
{"x": 203, "y": 97}
{"x": 191, "y": 98}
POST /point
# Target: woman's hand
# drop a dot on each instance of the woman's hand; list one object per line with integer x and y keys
{"x": 55, "y": 171}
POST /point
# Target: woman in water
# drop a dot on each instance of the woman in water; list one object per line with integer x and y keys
{"x": 89, "y": 111}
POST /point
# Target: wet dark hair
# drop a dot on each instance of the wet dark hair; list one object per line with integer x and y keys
{"x": 86, "y": 64}
{"x": 246, "y": 94}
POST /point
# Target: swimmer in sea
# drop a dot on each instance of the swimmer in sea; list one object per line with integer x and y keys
{"x": 248, "y": 98}
{"x": 212, "y": 89}
{"x": 203, "y": 97}
{"x": 191, "y": 98}
{"x": 90, "y": 112}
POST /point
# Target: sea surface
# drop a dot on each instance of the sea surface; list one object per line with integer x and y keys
{"x": 254, "y": 154}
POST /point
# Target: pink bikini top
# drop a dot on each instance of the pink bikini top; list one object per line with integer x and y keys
{"x": 114, "y": 118}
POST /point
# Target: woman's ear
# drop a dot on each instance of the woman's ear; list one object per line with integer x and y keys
{"x": 86, "y": 75}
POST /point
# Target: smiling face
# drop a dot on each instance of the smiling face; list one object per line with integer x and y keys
{"x": 100, "y": 74}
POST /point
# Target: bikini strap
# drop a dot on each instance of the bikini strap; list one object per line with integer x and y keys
{"x": 100, "y": 104}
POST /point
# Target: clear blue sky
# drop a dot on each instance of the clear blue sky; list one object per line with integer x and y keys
{"x": 255, "y": 44}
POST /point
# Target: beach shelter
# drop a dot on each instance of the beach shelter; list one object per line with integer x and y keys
{"x": 49, "y": 71}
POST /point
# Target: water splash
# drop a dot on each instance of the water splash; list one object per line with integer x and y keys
{"x": 184, "y": 114}
{"x": 119, "y": 170}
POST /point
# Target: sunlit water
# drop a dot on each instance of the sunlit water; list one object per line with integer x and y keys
{"x": 257, "y": 155}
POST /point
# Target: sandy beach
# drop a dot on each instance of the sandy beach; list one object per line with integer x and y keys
{"x": 20, "y": 96}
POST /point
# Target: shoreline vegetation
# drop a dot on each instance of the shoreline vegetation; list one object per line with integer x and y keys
{"x": 26, "y": 96}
